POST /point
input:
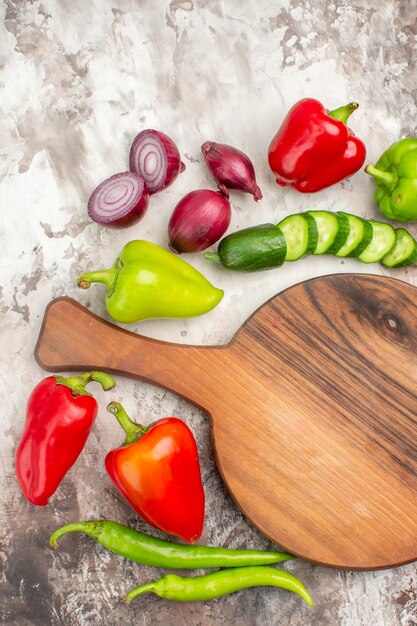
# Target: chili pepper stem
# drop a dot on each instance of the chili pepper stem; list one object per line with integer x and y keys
{"x": 212, "y": 256}
{"x": 148, "y": 588}
{"x": 77, "y": 383}
{"x": 106, "y": 277}
{"x": 133, "y": 431}
{"x": 93, "y": 529}
{"x": 388, "y": 179}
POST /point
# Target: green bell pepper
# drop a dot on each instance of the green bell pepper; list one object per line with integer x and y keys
{"x": 395, "y": 174}
{"x": 147, "y": 281}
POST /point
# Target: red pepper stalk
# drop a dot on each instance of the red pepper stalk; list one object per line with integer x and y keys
{"x": 59, "y": 417}
{"x": 314, "y": 148}
{"x": 157, "y": 471}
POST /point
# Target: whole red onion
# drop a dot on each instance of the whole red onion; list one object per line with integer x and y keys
{"x": 198, "y": 221}
{"x": 155, "y": 157}
{"x": 230, "y": 168}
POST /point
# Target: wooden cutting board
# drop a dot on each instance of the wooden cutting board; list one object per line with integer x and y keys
{"x": 313, "y": 409}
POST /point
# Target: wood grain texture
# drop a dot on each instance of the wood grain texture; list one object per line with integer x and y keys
{"x": 313, "y": 410}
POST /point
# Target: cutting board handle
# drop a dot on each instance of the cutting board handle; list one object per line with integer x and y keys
{"x": 74, "y": 338}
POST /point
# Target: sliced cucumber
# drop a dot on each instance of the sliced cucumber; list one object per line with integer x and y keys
{"x": 300, "y": 232}
{"x": 327, "y": 228}
{"x": 342, "y": 234}
{"x": 321, "y": 232}
{"x": 333, "y": 230}
{"x": 360, "y": 234}
{"x": 383, "y": 240}
{"x": 404, "y": 252}
{"x": 365, "y": 241}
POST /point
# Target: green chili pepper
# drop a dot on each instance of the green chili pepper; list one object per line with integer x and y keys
{"x": 147, "y": 281}
{"x": 216, "y": 584}
{"x": 395, "y": 174}
{"x": 148, "y": 550}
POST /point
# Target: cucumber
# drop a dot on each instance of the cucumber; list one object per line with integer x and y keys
{"x": 342, "y": 234}
{"x": 252, "y": 249}
{"x": 383, "y": 240}
{"x": 320, "y": 232}
{"x": 301, "y": 234}
{"x": 404, "y": 253}
{"x": 332, "y": 230}
{"x": 360, "y": 235}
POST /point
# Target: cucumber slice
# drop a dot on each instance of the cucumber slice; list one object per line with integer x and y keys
{"x": 300, "y": 232}
{"x": 404, "y": 252}
{"x": 342, "y": 234}
{"x": 360, "y": 232}
{"x": 383, "y": 240}
{"x": 333, "y": 229}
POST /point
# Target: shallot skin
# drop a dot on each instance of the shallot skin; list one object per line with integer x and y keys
{"x": 154, "y": 156}
{"x": 230, "y": 168}
{"x": 198, "y": 221}
{"x": 119, "y": 201}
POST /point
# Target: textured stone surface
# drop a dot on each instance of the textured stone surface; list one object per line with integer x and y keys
{"x": 78, "y": 80}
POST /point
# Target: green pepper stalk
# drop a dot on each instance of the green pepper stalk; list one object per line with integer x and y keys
{"x": 216, "y": 584}
{"x": 147, "y": 282}
{"x": 395, "y": 175}
{"x": 148, "y": 550}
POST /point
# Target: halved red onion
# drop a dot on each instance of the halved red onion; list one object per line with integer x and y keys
{"x": 121, "y": 200}
{"x": 198, "y": 221}
{"x": 230, "y": 168}
{"x": 155, "y": 157}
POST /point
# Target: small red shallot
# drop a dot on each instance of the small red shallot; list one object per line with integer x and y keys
{"x": 155, "y": 157}
{"x": 198, "y": 221}
{"x": 119, "y": 201}
{"x": 230, "y": 168}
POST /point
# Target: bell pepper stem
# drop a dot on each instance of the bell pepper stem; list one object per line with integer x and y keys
{"x": 93, "y": 529}
{"x": 78, "y": 383}
{"x": 389, "y": 179}
{"x": 106, "y": 277}
{"x": 342, "y": 113}
{"x": 212, "y": 256}
{"x": 146, "y": 588}
{"x": 105, "y": 380}
{"x": 133, "y": 431}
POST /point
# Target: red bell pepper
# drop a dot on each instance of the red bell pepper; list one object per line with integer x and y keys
{"x": 314, "y": 148}
{"x": 157, "y": 471}
{"x": 60, "y": 414}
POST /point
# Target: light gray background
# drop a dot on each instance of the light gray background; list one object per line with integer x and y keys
{"x": 78, "y": 80}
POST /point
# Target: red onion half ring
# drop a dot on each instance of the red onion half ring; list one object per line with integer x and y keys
{"x": 155, "y": 157}
{"x": 119, "y": 201}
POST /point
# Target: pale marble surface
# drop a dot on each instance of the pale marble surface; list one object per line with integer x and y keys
{"x": 78, "y": 80}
